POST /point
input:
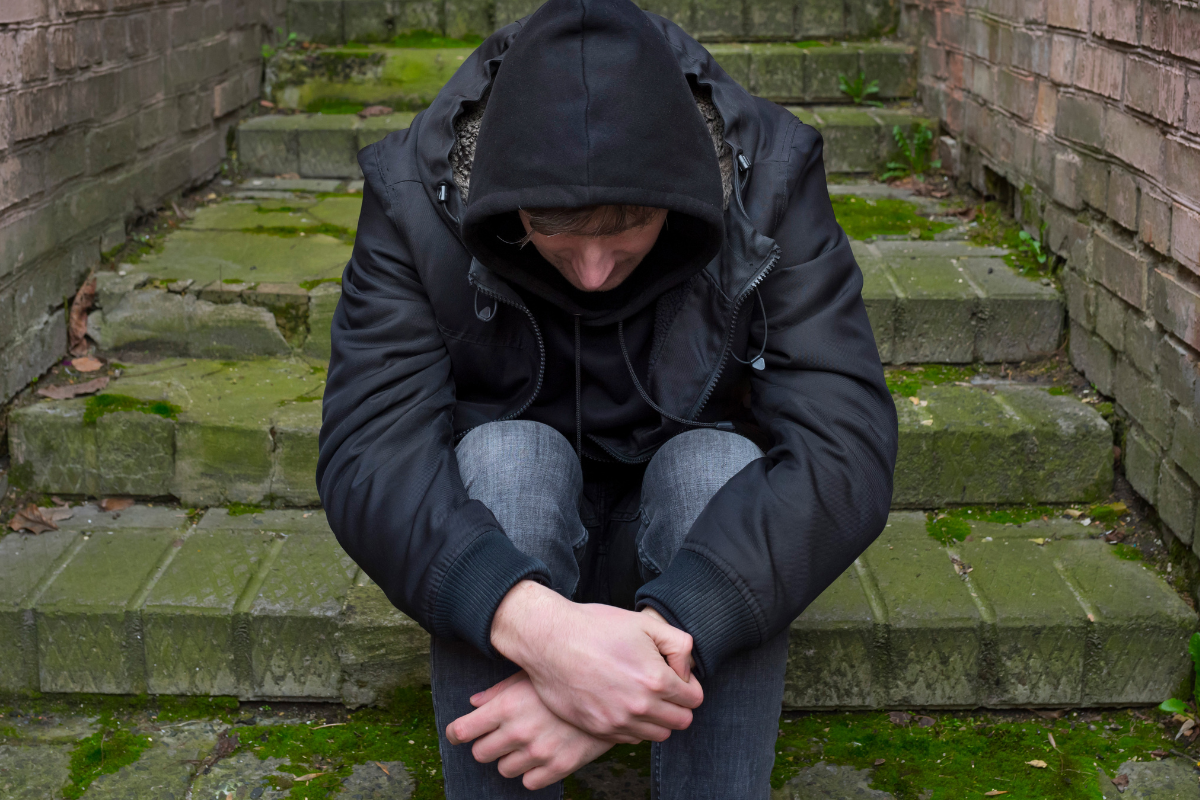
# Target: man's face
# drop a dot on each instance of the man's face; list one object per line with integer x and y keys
{"x": 597, "y": 263}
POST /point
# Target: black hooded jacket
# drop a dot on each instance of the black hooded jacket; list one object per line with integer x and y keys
{"x": 444, "y": 324}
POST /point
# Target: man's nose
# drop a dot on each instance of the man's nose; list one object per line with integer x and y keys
{"x": 593, "y": 266}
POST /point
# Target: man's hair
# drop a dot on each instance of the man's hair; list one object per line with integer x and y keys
{"x": 597, "y": 220}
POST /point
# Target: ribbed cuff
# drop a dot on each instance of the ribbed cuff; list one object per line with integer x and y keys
{"x": 476, "y": 583}
{"x": 695, "y": 596}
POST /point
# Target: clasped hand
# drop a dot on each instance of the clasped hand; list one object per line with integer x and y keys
{"x": 592, "y": 676}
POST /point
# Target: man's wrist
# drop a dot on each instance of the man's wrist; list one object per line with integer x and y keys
{"x": 517, "y": 618}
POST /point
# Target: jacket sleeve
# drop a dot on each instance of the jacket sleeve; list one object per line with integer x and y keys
{"x": 781, "y": 530}
{"x": 387, "y": 473}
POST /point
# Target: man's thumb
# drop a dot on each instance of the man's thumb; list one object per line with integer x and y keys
{"x": 675, "y": 646}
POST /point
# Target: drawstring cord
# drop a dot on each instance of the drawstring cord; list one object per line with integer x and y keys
{"x": 578, "y": 404}
{"x": 721, "y": 426}
{"x": 443, "y": 197}
{"x": 758, "y": 362}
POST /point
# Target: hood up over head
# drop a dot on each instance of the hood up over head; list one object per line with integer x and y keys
{"x": 590, "y": 107}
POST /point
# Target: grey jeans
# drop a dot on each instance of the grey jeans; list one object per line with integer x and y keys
{"x": 529, "y": 476}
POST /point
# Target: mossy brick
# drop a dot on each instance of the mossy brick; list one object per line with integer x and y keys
{"x": 112, "y": 286}
{"x": 1019, "y": 319}
{"x": 868, "y": 18}
{"x": 771, "y": 19}
{"x": 322, "y": 304}
{"x": 237, "y": 215}
{"x": 821, "y": 18}
{"x": 853, "y": 139}
{"x": 1137, "y": 647}
{"x": 133, "y": 454}
{"x": 328, "y": 146}
{"x": 150, "y": 316}
{"x": 288, "y": 303}
{"x": 1039, "y": 630}
{"x": 26, "y": 560}
{"x": 879, "y": 296}
{"x": 823, "y": 67}
{"x": 935, "y": 320}
{"x": 933, "y": 626}
{"x": 290, "y": 520}
{"x": 373, "y": 129}
{"x": 971, "y": 451}
{"x": 716, "y": 20}
{"x": 735, "y": 59}
{"x": 1069, "y": 447}
{"x": 88, "y": 627}
{"x": 207, "y": 256}
{"x": 223, "y": 292}
{"x": 187, "y": 619}
{"x": 297, "y": 427}
{"x": 378, "y": 646}
{"x": 48, "y": 447}
{"x": 270, "y": 145}
{"x": 832, "y": 650}
{"x": 894, "y": 66}
{"x": 293, "y": 620}
{"x": 777, "y": 72}
{"x": 315, "y": 20}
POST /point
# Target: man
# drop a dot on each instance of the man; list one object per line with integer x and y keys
{"x": 604, "y": 412}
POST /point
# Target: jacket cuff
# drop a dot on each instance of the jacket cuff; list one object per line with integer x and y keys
{"x": 696, "y": 596}
{"x": 476, "y": 583}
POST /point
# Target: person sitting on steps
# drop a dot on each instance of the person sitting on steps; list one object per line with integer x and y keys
{"x": 604, "y": 412}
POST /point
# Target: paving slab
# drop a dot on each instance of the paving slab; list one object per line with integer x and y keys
{"x": 243, "y": 776}
{"x": 379, "y": 648}
{"x": 824, "y": 781}
{"x": 27, "y": 561}
{"x": 383, "y": 780}
{"x": 1169, "y": 779}
{"x": 165, "y": 769}
{"x": 217, "y": 255}
{"x": 34, "y": 772}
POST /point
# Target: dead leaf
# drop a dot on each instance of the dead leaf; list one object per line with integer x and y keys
{"x": 382, "y": 767}
{"x": 1037, "y": 763}
{"x": 926, "y": 722}
{"x": 1121, "y": 782}
{"x": 994, "y": 793}
{"x": 1073, "y": 513}
{"x": 960, "y": 566}
{"x": 85, "y": 298}
{"x": 1053, "y": 743}
{"x": 1159, "y": 753}
{"x": 1050, "y": 713}
{"x": 32, "y": 519}
{"x": 87, "y": 364}
{"x": 58, "y": 514}
{"x": 901, "y": 718}
{"x": 916, "y": 401}
{"x": 66, "y": 391}
{"x": 266, "y": 104}
{"x": 375, "y": 111}
{"x": 309, "y": 777}
{"x": 115, "y": 503}
{"x": 1040, "y": 541}
{"x": 227, "y": 742}
{"x": 179, "y": 212}
{"x": 879, "y": 762}
{"x": 1114, "y": 536}
{"x": 1186, "y": 728}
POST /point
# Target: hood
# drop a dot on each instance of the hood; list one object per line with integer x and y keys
{"x": 590, "y": 106}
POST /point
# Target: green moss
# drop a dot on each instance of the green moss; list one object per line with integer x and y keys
{"x": 333, "y": 105}
{"x": 951, "y": 525}
{"x": 907, "y": 381}
{"x": 807, "y": 43}
{"x": 308, "y": 286}
{"x": 288, "y": 231}
{"x": 1126, "y": 552}
{"x": 172, "y": 709}
{"x": 1059, "y": 391}
{"x": 964, "y": 756}
{"x": 241, "y": 509}
{"x": 995, "y": 228}
{"x": 946, "y": 529}
{"x": 864, "y": 218}
{"x": 102, "y": 753}
{"x": 269, "y": 209}
{"x": 423, "y": 38}
{"x": 1107, "y": 513}
{"x": 101, "y": 404}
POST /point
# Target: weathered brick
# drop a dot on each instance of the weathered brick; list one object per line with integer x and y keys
{"x": 111, "y": 145}
{"x": 34, "y": 54}
{"x": 1185, "y": 237}
{"x": 1016, "y": 93}
{"x": 1045, "y": 113}
{"x": 227, "y": 97}
{"x": 1192, "y": 121}
{"x": 1176, "y": 305}
{"x": 1115, "y": 19}
{"x": 1067, "y": 168}
{"x": 1067, "y": 14}
{"x": 22, "y": 10}
{"x": 1134, "y": 142}
{"x": 22, "y": 175}
{"x": 10, "y": 72}
{"x": 1179, "y": 370}
{"x": 1154, "y": 222}
{"x": 1142, "y": 336}
{"x": 36, "y": 112}
{"x": 1081, "y": 119}
{"x": 1176, "y": 504}
{"x": 1094, "y": 182}
{"x": 62, "y": 48}
{"x": 1183, "y": 167}
{"x": 1110, "y": 318}
{"x": 1142, "y": 458}
{"x": 1145, "y": 402}
{"x": 1122, "y": 203}
{"x": 88, "y": 49}
{"x": 1183, "y": 32}
{"x": 1081, "y": 300}
{"x": 66, "y": 158}
{"x": 186, "y": 24}
{"x": 1154, "y": 88}
{"x": 1120, "y": 269}
{"x": 1099, "y": 69}
{"x": 1093, "y": 358}
{"x": 139, "y": 35}
{"x": 951, "y": 25}
{"x": 113, "y": 38}
{"x": 1185, "y": 442}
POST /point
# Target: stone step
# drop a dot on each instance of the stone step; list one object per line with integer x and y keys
{"x": 408, "y": 78}
{"x": 266, "y": 605}
{"x": 338, "y": 21}
{"x": 258, "y": 275}
{"x": 215, "y": 432}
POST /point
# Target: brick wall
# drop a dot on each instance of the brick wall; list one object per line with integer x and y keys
{"x": 1088, "y": 111}
{"x": 107, "y": 108}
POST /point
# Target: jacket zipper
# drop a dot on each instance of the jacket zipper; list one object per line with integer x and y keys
{"x": 712, "y": 383}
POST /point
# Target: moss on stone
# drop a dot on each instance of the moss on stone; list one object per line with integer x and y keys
{"x": 328, "y": 105}
{"x": 946, "y": 529}
{"x": 104, "y": 752}
{"x": 336, "y": 231}
{"x": 950, "y": 525}
{"x": 431, "y": 39}
{"x": 101, "y": 404}
{"x": 173, "y": 709}
{"x": 1126, "y": 552}
{"x": 864, "y": 218}
{"x": 995, "y": 228}
{"x": 965, "y": 754}
{"x": 308, "y": 286}
{"x": 907, "y": 381}
{"x": 242, "y": 509}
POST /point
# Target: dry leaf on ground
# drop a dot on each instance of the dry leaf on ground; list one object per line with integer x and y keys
{"x": 926, "y": 722}
{"x": 901, "y": 718}
{"x": 32, "y": 519}
{"x": 309, "y": 777}
{"x": 1037, "y": 763}
{"x": 85, "y": 298}
{"x": 994, "y": 793}
{"x": 1040, "y": 541}
{"x": 1121, "y": 782}
{"x": 115, "y": 503}
{"x": 375, "y": 111}
{"x": 87, "y": 364}
{"x": 68, "y": 390}
{"x": 1073, "y": 513}
{"x": 382, "y": 767}
{"x": 961, "y": 567}
{"x": 879, "y": 762}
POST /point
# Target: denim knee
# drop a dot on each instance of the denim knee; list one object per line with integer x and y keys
{"x": 529, "y": 476}
{"x": 682, "y": 477}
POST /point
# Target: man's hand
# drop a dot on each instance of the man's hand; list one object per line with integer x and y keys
{"x": 512, "y": 724}
{"x": 600, "y": 668}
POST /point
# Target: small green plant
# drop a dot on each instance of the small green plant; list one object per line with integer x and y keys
{"x": 289, "y": 41}
{"x": 914, "y": 156}
{"x": 859, "y": 90}
{"x": 1174, "y": 705}
{"x": 1031, "y": 247}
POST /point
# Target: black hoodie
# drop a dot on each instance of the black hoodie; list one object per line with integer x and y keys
{"x": 429, "y": 342}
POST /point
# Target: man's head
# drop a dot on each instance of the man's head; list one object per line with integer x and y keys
{"x": 595, "y": 247}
